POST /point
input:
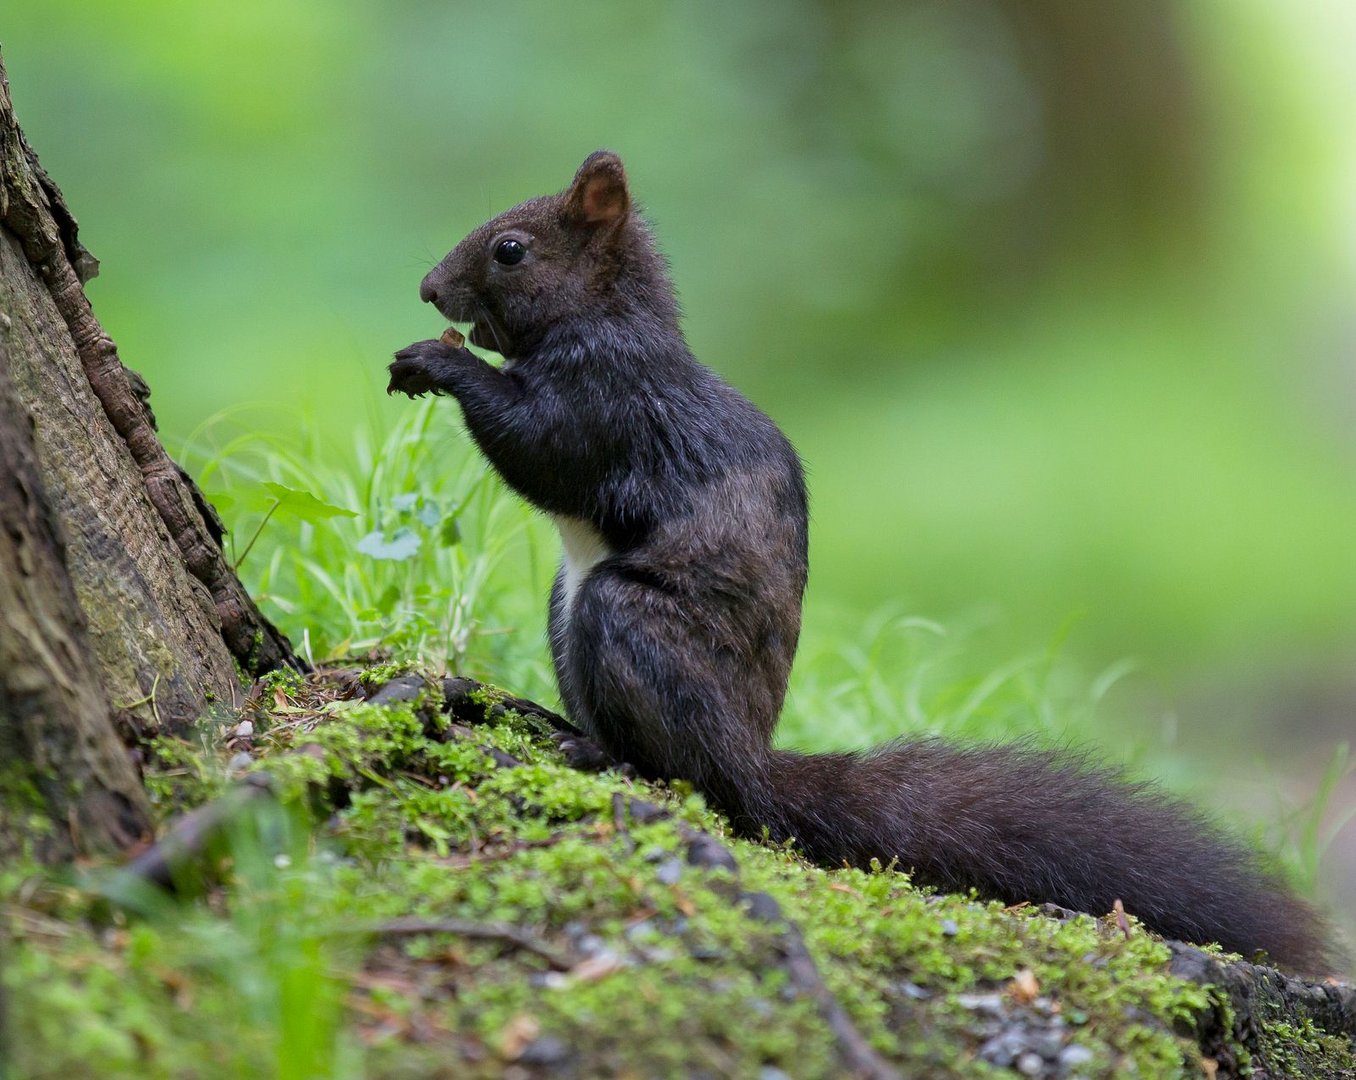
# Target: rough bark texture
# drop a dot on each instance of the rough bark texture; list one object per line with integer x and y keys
{"x": 168, "y": 619}
{"x": 1262, "y": 998}
{"x": 66, "y": 785}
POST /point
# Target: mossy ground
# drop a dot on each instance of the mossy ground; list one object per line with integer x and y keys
{"x": 288, "y": 962}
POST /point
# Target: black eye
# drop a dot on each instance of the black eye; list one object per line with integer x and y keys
{"x": 509, "y": 252}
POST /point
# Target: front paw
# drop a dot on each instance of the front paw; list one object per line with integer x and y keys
{"x": 421, "y": 367}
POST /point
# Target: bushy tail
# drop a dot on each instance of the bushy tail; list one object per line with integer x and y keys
{"x": 1017, "y": 824}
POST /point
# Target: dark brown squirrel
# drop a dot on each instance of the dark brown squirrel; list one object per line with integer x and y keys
{"x": 675, "y": 613}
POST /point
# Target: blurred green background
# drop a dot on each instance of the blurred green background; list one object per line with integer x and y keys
{"x": 1055, "y": 298}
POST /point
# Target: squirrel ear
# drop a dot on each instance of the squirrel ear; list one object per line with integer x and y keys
{"x": 599, "y": 195}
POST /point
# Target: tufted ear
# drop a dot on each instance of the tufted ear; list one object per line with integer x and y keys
{"x": 599, "y": 195}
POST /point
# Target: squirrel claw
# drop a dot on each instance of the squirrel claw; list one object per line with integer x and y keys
{"x": 581, "y": 752}
{"x": 410, "y": 372}
{"x": 418, "y": 369}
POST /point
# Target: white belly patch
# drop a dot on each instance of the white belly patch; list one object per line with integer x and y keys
{"x": 583, "y": 547}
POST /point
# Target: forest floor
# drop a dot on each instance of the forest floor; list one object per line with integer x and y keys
{"x": 390, "y": 876}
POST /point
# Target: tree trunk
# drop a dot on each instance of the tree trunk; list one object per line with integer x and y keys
{"x": 66, "y": 786}
{"x": 139, "y": 618}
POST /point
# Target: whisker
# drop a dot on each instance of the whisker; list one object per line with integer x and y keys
{"x": 483, "y": 316}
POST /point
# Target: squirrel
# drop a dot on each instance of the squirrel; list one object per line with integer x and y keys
{"x": 675, "y": 613}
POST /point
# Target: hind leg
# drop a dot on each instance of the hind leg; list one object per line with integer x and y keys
{"x": 660, "y": 692}
{"x": 624, "y": 670}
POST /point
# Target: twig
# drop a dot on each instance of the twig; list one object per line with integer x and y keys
{"x": 236, "y": 565}
{"x": 800, "y": 967}
{"x": 410, "y": 925}
{"x": 149, "y": 699}
{"x": 619, "y": 821}
{"x": 457, "y": 691}
{"x": 479, "y": 855}
{"x": 465, "y": 734}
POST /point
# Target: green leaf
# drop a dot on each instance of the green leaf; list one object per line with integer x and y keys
{"x": 450, "y": 533}
{"x": 387, "y": 601}
{"x": 402, "y": 545}
{"x": 304, "y": 505}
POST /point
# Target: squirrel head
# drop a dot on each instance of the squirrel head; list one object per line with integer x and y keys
{"x": 583, "y": 256}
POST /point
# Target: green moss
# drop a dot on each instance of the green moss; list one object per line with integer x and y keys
{"x": 249, "y": 990}
{"x": 1298, "y": 1048}
{"x": 286, "y": 679}
{"x": 25, "y": 821}
{"x": 19, "y": 792}
{"x": 670, "y": 975}
{"x": 180, "y": 774}
{"x": 379, "y": 674}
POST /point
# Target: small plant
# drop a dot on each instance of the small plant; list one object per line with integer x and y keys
{"x": 408, "y": 544}
{"x": 856, "y": 683}
{"x": 1301, "y": 835}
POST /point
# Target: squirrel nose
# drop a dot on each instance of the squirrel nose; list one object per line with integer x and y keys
{"x": 428, "y": 292}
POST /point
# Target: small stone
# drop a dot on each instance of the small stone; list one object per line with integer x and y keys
{"x": 520, "y": 1031}
{"x": 643, "y": 812}
{"x": 669, "y": 873}
{"x": 575, "y": 930}
{"x": 240, "y": 762}
{"x": 709, "y": 852}
{"x": 984, "y": 1003}
{"x": 949, "y": 927}
{"x": 1030, "y": 1064}
{"x": 244, "y": 730}
{"x": 598, "y": 966}
{"x": 1062, "y": 914}
{"x": 401, "y": 688}
{"x": 996, "y": 1051}
{"x": 1007, "y": 1047}
{"x": 1073, "y": 1055}
{"x": 547, "y": 1050}
{"x": 761, "y": 906}
{"x": 457, "y": 690}
{"x": 913, "y": 990}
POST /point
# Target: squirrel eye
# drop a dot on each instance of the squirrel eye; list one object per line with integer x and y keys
{"x": 509, "y": 252}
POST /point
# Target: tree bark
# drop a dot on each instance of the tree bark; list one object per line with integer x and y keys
{"x": 119, "y": 614}
{"x": 66, "y": 786}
